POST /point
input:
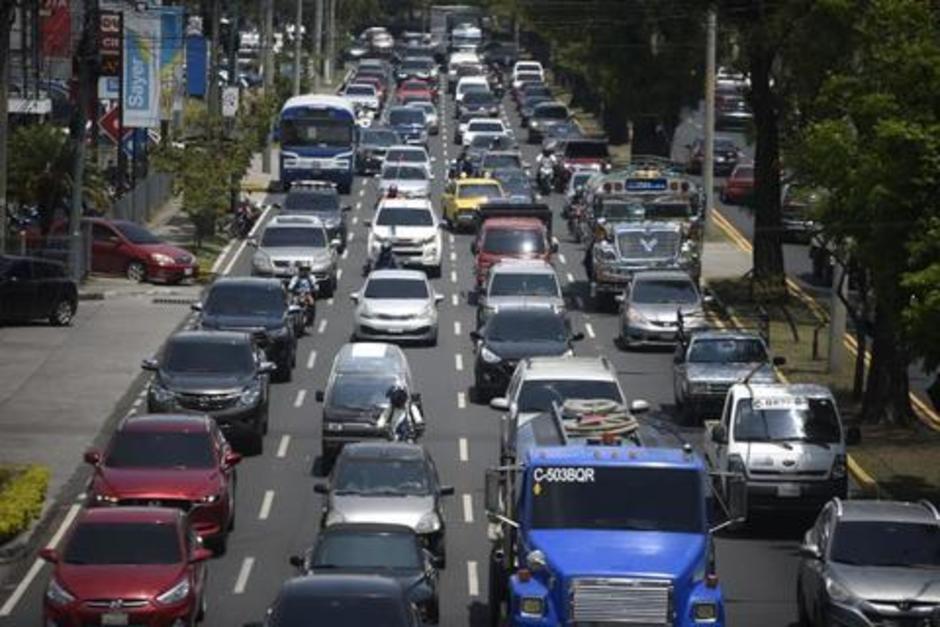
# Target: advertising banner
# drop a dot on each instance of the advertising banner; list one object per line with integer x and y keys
{"x": 171, "y": 59}
{"x": 55, "y": 26}
{"x": 141, "y": 81}
{"x": 109, "y": 43}
{"x": 197, "y": 57}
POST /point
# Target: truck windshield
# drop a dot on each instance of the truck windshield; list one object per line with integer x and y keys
{"x": 608, "y": 497}
{"x": 538, "y": 395}
{"x": 786, "y": 419}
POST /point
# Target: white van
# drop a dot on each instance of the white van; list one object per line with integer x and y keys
{"x": 787, "y": 439}
{"x": 527, "y": 67}
{"x": 470, "y": 83}
{"x": 458, "y": 59}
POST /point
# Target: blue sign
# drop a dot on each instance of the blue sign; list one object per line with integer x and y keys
{"x": 197, "y": 56}
{"x": 645, "y": 185}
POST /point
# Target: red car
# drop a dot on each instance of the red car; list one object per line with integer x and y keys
{"x": 415, "y": 89}
{"x": 122, "y": 247}
{"x": 172, "y": 461}
{"x": 140, "y": 566}
{"x": 509, "y": 231}
{"x": 375, "y": 81}
{"x": 738, "y": 187}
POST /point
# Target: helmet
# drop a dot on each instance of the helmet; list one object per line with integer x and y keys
{"x": 397, "y": 396}
{"x": 393, "y": 191}
{"x": 546, "y": 151}
{"x": 386, "y": 247}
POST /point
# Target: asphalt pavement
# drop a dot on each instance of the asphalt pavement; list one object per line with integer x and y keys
{"x": 277, "y": 511}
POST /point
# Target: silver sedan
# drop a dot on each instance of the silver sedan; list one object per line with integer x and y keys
{"x": 396, "y": 305}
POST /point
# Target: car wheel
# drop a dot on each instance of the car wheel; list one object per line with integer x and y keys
{"x": 434, "y": 272}
{"x": 256, "y": 440}
{"x": 62, "y": 313}
{"x": 432, "y": 341}
{"x": 803, "y": 619}
{"x": 219, "y": 544}
{"x": 136, "y": 271}
{"x": 203, "y": 608}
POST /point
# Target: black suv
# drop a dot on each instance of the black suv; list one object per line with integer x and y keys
{"x": 320, "y": 199}
{"x": 257, "y": 306}
{"x": 219, "y": 373}
{"x": 33, "y": 288}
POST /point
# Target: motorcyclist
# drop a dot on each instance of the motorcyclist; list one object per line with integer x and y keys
{"x": 303, "y": 285}
{"x": 386, "y": 257}
{"x": 546, "y": 169}
{"x": 407, "y": 421}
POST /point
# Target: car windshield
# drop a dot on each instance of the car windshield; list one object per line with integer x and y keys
{"x": 293, "y": 237}
{"x": 360, "y": 90}
{"x": 425, "y": 106}
{"x": 538, "y": 395}
{"x": 406, "y": 116}
{"x": 551, "y": 112}
{"x": 725, "y": 145}
{"x": 378, "y": 550}
{"x": 413, "y": 86}
{"x": 886, "y": 543}
{"x": 586, "y": 150}
{"x": 484, "y": 140}
{"x": 396, "y": 289}
{"x": 185, "y": 357}
{"x": 539, "y": 90}
{"x": 311, "y": 201}
{"x": 479, "y": 190}
{"x": 485, "y": 127}
{"x": 123, "y": 543}
{"x": 243, "y": 300}
{"x": 511, "y": 178}
{"x": 135, "y": 449}
{"x": 383, "y": 139}
{"x": 479, "y": 98}
{"x": 526, "y": 327}
{"x": 296, "y": 610}
{"x": 395, "y": 216}
{"x": 360, "y": 391}
{"x": 493, "y": 162}
{"x": 136, "y": 234}
{"x": 519, "y": 284}
{"x": 401, "y": 155}
{"x": 663, "y": 292}
{"x": 382, "y": 476}
{"x": 787, "y": 419}
{"x": 721, "y": 351}
{"x": 472, "y": 87}
{"x": 513, "y": 241}
{"x": 579, "y": 497}
{"x": 415, "y": 65}
{"x": 404, "y": 173}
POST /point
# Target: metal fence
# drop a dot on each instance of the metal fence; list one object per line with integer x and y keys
{"x": 140, "y": 203}
{"x": 56, "y": 248}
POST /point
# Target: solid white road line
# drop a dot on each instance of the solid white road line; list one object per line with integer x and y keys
{"x": 453, "y": 276}
{"x": 282, "y": 447}
{"x": 463, "y": 448}
{"x": 468, "y": 509}
{"x": 461, "y": 400}
{"x": 24, "y": 584}
{"x": 570, "y": 277}
{"x": 473, "y": 579}
{"x": 458, "y": 361}
{"x": 454, "y": 299}
{"x": 241, "y": 582}
{"x": 311, "y": 360}
{"x": 456, "y": 327}
{"x": 322, "y": 327}
{"x": 299, "y": 400}
{"x": 222, "y": 257}
{"x": 244, "y": 242}
{"x": 266, "y": 502}
{"x": 590, "y": 330}
{"x": 562, "y": 258}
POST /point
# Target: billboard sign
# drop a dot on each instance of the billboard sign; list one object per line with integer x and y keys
{"x": 141, "y": 80}
{"x": 55, "y": 26}
{"x": 109, "y": 42}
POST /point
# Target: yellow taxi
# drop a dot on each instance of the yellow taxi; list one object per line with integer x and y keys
{"x": 463, "y": 196}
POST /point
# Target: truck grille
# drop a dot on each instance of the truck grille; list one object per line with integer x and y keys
{"x": 644, "y": 602}
{"x": 648, "y": 244}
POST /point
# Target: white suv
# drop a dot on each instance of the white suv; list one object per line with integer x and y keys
{"x": 413, "y": 230}
{"x": 466, "y": 131}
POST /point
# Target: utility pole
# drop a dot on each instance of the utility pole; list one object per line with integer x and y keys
{"x": 298, "y": 40}
{"x": 708, "y": 168}
{"x": 213, "y": 95}
{"x": 330, "y": 41}
{"x": 267, "y": 49}
{"x": 86, "y": 54}
{"x": 6, "y": 19}
{"x": 837, "y": 315}
{"x": 318, "y": 44}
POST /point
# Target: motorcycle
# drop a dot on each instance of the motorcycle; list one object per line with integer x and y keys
{"x": 243, "y": 220}
{"x": 386, "y": 260}
{"x": 404, "y": 420}
{"x": 308, "y": 310}
{"x": 546, "y": 177}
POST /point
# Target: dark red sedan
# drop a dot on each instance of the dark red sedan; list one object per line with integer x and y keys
{"x": 172, "y": 461}
{"x": 141, "y": 566}
{"x": 416, "y": 90}
{"x": 739, "y": 186}
{"x": 122, "y": 247}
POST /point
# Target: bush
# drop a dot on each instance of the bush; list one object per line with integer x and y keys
{"x": 21, "y": 500}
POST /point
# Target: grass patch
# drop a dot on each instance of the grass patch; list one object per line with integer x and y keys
{"x": 903, "y": 459}
{"x": 209, "y": 251}
{"x": 22, "y": 494}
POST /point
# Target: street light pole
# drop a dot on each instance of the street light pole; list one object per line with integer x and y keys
{"x": 318, "y": 44}
{"x": 267, "y": 50}
{"x": 298, "y": 39}
{"x": 330, "y": 41}
{"x": 708, "y": 168}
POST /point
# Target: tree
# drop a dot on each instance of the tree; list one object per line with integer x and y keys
{"x": 873, "y": 140}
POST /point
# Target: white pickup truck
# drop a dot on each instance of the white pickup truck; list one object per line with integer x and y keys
{"x": 787, "y": 439}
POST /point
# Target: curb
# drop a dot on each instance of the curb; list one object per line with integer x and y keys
{"x": 92, "y": 295}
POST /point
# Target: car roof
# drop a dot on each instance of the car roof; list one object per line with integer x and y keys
{"x": 585, "y": 368}
{"x": 405, "y": 203}
{"x": 408, "y": 147}
{"x": 340, "y": 528}
{"x": 370, "y": 357}
{"x": 550, "y": 103}
{"x": 156, "y": 515}
{"x": 661, "y": 275}
{"x": 725, "y": 334}
{"x": 397, "y": 274}
{"x": 295, "y": 220}
{"x": 886, "y": 511}
{"x": 172, "y": 423}
{"x": 522, "y": 266}
{"x": 327, "y": 586}
{"x": 646, "y": 225}
{"x": 383, "y": 449}
{"x": 197, "y": 336}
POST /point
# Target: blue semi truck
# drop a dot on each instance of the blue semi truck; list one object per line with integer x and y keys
{"x": 588, "y": 534}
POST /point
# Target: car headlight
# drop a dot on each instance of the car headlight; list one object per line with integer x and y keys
{"x": 364, "y": 312}
{"x": 161, "y": 394}
{"x": 175, "y": 594}
{"x": 839, "y": 593}
{"x": 489, "y": 356}
{"x": 838, "y": 467}
{"x": 534, "y": 124}
{"x": 568, "y": 353}
{"x": 106, "y": 499}
{"x": 334, "y": 518}
{"x": 210, "y": 499}
{"x": 698, "y": 387}
{"x": 532, "y": 606}
{"x": 250, "y": 394}
{"x": 635, "y": 316}
{"x": 332, "y": 426}
{"x": 160, "y": 259}
{"x": 705, "y": 612}
{"x": 429, "y": 523}
{"x": 262, "y": 262}
{"x": 57, "y": 594}
{"x": 736, "y": 465}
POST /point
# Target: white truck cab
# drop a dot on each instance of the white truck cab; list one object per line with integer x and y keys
{"x": 787, "y": 439}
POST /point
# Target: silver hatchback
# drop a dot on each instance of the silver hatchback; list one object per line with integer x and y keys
{"x": 651, "y": 306}
{"x": 396, "y": 305}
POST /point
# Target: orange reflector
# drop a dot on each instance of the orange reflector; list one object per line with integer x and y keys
{"x": 524, "y": 574}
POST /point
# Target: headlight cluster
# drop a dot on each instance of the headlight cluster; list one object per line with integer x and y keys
{"x": 250, "y": 394}
{"x": 262, "y": 262}
{"x": 489, "y": 356}
{"x": 635, "y": 316}
{"x": 532, "y": 606}
{"x": 210, "y": 499}
{"x": 705, "y": 612}
{"x": 161, "y": 260}
{"x": 175, "y": 594}
{"x": 57, "y": 594}
{"x": 429, "y": 523}
{"x": 161, "y": 394}
{"x": 106, "y": 499}
{"x": 838, "y": 467}
{"x": 605, "y": 253}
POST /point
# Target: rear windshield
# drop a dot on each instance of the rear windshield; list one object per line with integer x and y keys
{"x": 727, "y": 351}
{"x": 366, "y": 550}
{"x": 493, "y": 162}
{"x": 518, "y": 284}
{"x": 478, "y": 190}
{"x": 396, "y": 288}
{"x": 526, "y": 326}
{"x": 404, "y": 173}
{"x": 123, "y": 543}
{"x": 296, "y": 610}
{"x": 513, "y": 241}
{"x": 406, "y": 116}
{"x": 479, "y": 98}
{"x": 360, "y": 90}
{"x": 379, "y": 138}
{"x": 378, "y": 476}
{"x": 293, "y": 237}
{"x": 538, "y": 395}
{"x": 404, "y": 217}
{"x": 361, "y": 391}
{"x": 310, "y": 201}
{"x": 486, "y": 127}
{"x": 586, "y": 150}
{"x": 553, "y": 112}
{"x": 242, "y": 300}
{"x": 133, "y": 449}
{"x": 400, "y": 155}
{"x": 136, "y": 234}
{"x": 663, "y": 292}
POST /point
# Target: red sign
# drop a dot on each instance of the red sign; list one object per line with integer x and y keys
{"x": 110, "y": 30}
{"x": 110, "y": 123}
{"x": 55, "y": 25}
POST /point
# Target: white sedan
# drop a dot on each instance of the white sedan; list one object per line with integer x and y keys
{"x": 412, "y": 229}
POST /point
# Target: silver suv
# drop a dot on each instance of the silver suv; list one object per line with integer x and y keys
{"x": 520, "y": 285}
{"x": 289, "y": 241}
{"x": 870, "y": 564}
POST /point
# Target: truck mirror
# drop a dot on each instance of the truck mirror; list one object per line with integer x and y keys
{"x": 639, "y": 406}
{"x": 493, "y": 482}
{"x": 737, "y": 497}
{"x": 719, "y": 434}
{"x": 535, "y": 560}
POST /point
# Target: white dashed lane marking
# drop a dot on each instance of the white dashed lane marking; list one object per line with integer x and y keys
{"x": 322, "y": 327}
{"x": 457, "y": 327}
{"x": 282, "y": 447}
{"x": 590, "y": 330}
{"x": 453, "y": 276}
{"x": 311, "y": 360}
{"x": 458, "y": 362}
{"x": 241, "y": 582}
{"x": 299, "y": 400}
{"x": 266, "y": 503}
{"x": 461, "y": 400}
{"x": 562, "y": 258}
{"x": 463, "y": 449}
{"x": 467, "y": 509}
{"x": 454, "y": 299}
{"x": 473, "y": 579}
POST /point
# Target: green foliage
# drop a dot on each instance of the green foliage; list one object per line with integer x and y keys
{"x": 21, "y": 500}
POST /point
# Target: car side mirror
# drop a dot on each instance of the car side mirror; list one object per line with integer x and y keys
{"x": 49, "y": 554}
{"x": 196, "y": 307}
{"x": 476, "y": 336}
{"x": 620, "y": 298}
{"x": 367, "y": 223}
{"x": 719, "y": 434}
{"x": 780, "y": 361}
{"x": 810, "y": 550}
{"x": 436, "y": 560}
{"x": 446, "y": 490}
{"x": 232, "y": 459}
{"x": 500, "y": 403}
{"x": 150, "y": 364}
{"x": 554, "y": 245}
{"x": 335, "y": 243}
{"x": 320, "y": 488}
{"x": 297, "y": 561}
{"x": 319, "y": 396}
{"x": 708, "y": 299}
{"x": 639, "y": 406}
{"x": 92, "y": 457}
{"x": 252, "y": 241}
{"x": 267, "y": 366}
{"x": 200, "y": 554}
{"x": 354, "y": 297}
{"x": 853, "y": 436}
{"x": 438, "y": 298}
{"x": 577, "y": 337}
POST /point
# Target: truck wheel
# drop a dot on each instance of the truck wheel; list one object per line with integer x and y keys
{"x": 497, "y": 593}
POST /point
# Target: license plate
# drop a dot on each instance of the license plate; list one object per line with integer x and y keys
{"x": 316, "y": 165}
{"x": 788, "y": 490}
{"x": 114, "y": 618}
{"x": 188, "y": 271}
{"x": 395, "y": 330}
